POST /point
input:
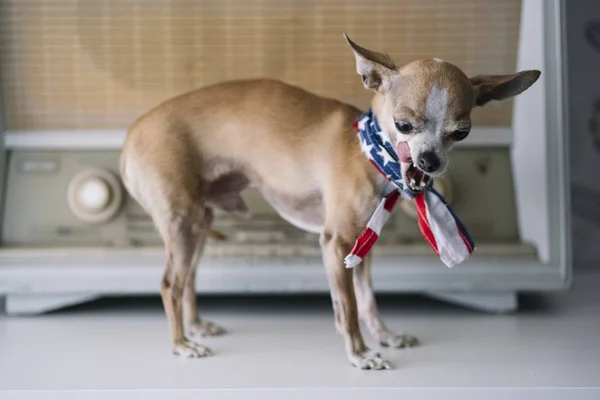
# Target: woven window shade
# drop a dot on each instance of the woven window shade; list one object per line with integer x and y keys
{"x": 99, "y": 64}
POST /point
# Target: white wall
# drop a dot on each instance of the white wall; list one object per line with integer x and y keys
{"x": 529, "y": 124}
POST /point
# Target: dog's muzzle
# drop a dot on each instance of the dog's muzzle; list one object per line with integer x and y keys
{"x": 414, "y": 177}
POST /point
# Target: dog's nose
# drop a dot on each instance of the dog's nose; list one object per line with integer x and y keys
{"x": 429, "y": 161}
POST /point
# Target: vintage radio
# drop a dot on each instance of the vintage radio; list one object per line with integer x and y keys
{"x": 76, "y": 74}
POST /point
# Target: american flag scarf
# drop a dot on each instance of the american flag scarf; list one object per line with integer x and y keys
{"x": 439, "y": 225}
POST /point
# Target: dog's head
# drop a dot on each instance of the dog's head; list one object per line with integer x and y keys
{"x": 424, "y": 107}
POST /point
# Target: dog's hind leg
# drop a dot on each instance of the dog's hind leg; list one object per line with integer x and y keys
{"x": 182, "y": 230}
{"x": 369, "y": 313}
{"x": 195, "y": 325}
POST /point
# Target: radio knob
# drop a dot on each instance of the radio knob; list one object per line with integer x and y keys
{"x": 441, "y": 184}
{"x": 94, "y": 195}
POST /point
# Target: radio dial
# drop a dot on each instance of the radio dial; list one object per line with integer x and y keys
{"x": 94, "y": 195}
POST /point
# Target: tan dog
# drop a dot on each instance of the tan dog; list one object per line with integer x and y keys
{"x": 197, "y": 151}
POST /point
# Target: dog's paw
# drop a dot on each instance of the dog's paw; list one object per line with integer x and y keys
{"x": 206, "y": 328}
{"x": 397, "y": 340}
{"x": 369, "y": 360}
{"x": 190, "y": 349}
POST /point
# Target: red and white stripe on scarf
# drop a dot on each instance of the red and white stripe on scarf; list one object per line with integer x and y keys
{"x": 437, "y": 223}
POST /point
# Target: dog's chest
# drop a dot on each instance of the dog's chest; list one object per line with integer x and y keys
{"x": 305, "y": 211}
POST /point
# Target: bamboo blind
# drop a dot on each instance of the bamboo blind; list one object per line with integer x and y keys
{"x": 99, "y": 64}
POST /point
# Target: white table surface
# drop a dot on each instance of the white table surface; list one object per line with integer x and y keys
{"x": 120, "y": 347}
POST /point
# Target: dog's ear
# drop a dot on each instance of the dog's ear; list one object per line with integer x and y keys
{"x": 374, "y": 68}
{"x": 500, "y": 87}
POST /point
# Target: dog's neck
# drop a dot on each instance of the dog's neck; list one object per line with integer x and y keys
{"x": 384, "y": 186}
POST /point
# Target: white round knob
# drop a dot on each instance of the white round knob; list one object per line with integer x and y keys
{"x": 93, "y": 194}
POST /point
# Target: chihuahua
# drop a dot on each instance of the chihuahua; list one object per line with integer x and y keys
{"x": 196, "y": 152}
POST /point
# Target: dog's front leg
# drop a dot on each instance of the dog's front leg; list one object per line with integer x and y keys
{"x": 369, "y": 313}
{"x": 335, "y": 248}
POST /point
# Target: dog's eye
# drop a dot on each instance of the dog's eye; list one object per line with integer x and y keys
{"x": 403, "y": 126}
{"x": 457, "y": 136}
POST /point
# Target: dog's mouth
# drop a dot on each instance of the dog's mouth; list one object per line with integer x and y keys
{"x": 415, "y": 179}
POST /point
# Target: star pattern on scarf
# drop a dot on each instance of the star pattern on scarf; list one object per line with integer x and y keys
{"x": 366, "y": 148}
{"x": 387, "y": 158}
